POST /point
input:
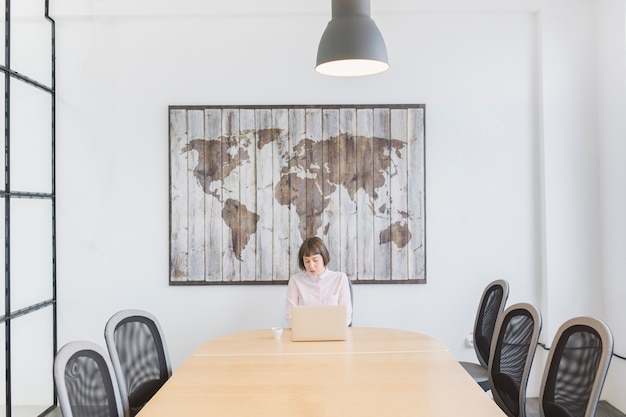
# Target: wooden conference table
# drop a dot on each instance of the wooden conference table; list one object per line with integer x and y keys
{"x": 376, "y": 372}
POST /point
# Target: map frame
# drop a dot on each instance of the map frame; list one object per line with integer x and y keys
{"x": 248, "y": 183}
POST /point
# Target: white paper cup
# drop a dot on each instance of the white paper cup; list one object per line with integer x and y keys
{"x": 277, "y": 332}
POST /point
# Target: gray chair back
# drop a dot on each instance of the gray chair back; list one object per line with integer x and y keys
{"x": 85, "y": 382}
{"x": 512, "y": 352}
{"x": 576, "y": 368}
{"x": 139, "y": 355}
{"x": 490, "y": 308}
{"x": 491, "y": 305}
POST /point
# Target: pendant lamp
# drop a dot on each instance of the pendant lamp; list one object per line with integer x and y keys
{"x": 351, "y": 45}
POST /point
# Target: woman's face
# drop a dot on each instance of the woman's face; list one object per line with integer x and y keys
{"x": 314, "y": 264}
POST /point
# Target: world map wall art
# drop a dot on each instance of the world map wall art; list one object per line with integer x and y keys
{"x": 249, "y": 183}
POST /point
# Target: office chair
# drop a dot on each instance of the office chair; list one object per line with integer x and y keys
{"x": 512, "y": 352}
{"x": 578, "y": 362}
{"x": 85, "y": 382}
{"x": 138, "y": 354}
{"x": 490, "y": 307}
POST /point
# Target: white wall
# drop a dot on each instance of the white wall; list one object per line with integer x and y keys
{"x": 512, "y": 157}
{"x": 611, "y": 108}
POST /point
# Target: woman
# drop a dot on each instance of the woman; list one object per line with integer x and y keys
{"x": 317, "y": 285}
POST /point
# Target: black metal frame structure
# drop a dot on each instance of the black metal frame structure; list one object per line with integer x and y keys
{"x": 8, "y": 194}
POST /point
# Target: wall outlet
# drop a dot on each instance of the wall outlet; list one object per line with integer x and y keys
{"x": 469, "y": 341}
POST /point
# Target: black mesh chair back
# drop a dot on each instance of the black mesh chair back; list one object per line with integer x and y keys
{"x": 490, "y": 307}
{"x": 139, "y": 355}
{"x": 578, "y": 362}
{"x": 514, "y": 345}
{"x": 85, "y": 382}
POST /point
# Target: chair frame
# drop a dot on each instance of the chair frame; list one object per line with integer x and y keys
{"x": 351, "y": 302}
{"x": 109, "y": 336}
{"x": 515, "y": 309}
{"x": 606, "y": 337}
{"x": 69, "y": 351}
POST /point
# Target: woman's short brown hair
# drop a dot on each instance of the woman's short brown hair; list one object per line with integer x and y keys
{"x": 310, "y": 247}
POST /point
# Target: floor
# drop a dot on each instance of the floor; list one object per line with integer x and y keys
{"x": 29, "y": 411}
{"x": 604, "y": 409}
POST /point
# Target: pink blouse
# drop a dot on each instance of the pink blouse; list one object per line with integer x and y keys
{"x": 330, "y": 288}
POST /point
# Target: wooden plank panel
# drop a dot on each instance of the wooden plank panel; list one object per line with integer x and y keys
{"x": 364, "y": 197}
{"x": 265, "y": 193}
{"x": 398, "y": 228}
{"x": 293, "y": 188}
{"x": 331, "y": 138}
{"x": 196, "y": 179}
{"x": 179, "y": 225}
{"x": 214, "y": 225}
{"x": 280, "y": 153}
{"x": 415, "y": 194}
{"x": 347, "y": 169}
{"x": 313, "y": 173}
{"x": 382, "y": 218}
{"x": 231, "y": 209}
{"x": 248, "y": 215}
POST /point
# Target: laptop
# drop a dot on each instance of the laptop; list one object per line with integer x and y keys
{"x": 318, "y": 323}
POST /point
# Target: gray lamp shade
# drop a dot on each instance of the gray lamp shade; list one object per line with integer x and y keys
{"x": 351, "y": 45}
